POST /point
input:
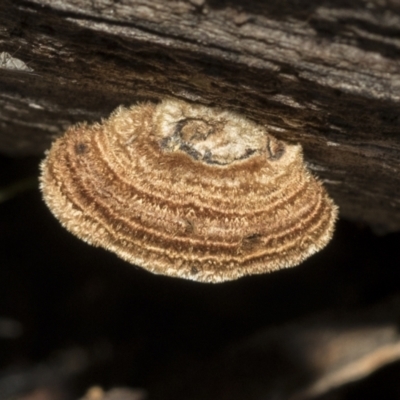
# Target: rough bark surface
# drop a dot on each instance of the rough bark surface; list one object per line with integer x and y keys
{"x": 320, "y": 73}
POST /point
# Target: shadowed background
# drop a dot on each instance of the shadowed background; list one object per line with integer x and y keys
{"x": 320, "y": 73}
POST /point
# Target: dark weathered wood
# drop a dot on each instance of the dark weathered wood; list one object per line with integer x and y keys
{"x": 325, "y": 74}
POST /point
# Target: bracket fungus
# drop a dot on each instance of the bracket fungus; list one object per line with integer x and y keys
{"x": 187, "y": 191}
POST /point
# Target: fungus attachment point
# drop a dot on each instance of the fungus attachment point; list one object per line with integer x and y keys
{"x": 187, "y": 191}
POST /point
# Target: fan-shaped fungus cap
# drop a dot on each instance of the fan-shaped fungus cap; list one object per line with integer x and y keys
{"x": 188, "y": 191}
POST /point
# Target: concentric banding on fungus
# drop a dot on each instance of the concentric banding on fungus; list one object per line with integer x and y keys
{"x": 188, "y": 191}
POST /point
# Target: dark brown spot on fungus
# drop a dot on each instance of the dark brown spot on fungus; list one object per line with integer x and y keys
{"x": 80, "y": 148}
{"x": 255, "y": 237}
{"x": 188, "y": 191}
{"x": 194, "y": 271}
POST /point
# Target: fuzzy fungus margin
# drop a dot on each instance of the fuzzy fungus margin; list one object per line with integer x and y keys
{"x": 187, "y": 191}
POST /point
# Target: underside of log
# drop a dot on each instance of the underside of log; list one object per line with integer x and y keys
{"x": 322, "y": 74}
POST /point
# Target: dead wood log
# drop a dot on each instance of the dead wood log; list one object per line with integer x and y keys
{"x": 324, "y": 74}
